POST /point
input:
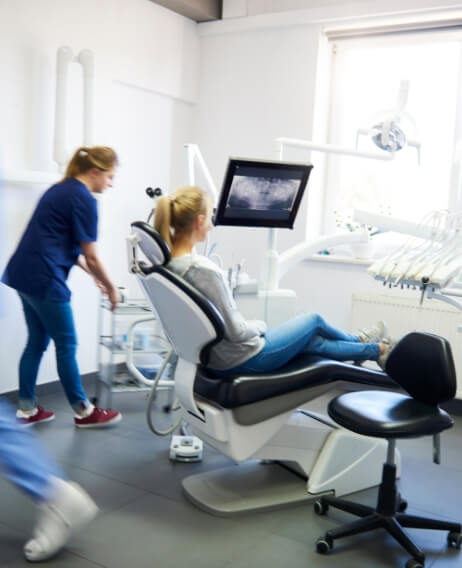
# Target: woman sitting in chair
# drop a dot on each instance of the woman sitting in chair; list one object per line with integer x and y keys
{"x": 184, "y": 219}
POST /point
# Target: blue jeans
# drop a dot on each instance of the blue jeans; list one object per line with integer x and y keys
{"x": 46, "y": 319}
{"x": 311, "y": 334}
{"x": 23, "y": 459}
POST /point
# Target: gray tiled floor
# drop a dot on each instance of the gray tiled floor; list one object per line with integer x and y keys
{"x": 145, "y": 521}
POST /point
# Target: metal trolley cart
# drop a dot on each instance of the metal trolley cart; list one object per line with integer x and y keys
{"x": 126, "y": 336}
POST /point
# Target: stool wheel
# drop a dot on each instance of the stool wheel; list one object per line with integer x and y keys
{"x": 455, "y": 539}
{"x": 323, "y": 545}
{"x": 402, "y": 505}
{"x": 320, "y": 508}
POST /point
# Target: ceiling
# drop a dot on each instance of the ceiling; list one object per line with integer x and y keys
{"x": 197, "y": 10}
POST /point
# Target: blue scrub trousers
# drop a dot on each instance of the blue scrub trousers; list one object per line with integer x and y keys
{"x": 46, "y": 319}
{"x": 23, "y": 459}
{"x": 308, "y": 333}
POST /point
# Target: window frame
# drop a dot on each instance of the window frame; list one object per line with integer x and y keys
{"x": 422, "y": 33}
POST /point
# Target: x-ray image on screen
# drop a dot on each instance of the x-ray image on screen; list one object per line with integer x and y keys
{"x": 261, "y": 193}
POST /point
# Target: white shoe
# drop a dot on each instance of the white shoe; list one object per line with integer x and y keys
{"x": 374, "y": 334}
{"x": 68, "y": 510}
{"x": 382, "y": 360}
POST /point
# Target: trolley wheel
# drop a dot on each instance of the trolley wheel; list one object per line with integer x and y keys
{"x": 320, "y": 508}
{"x": 323, "y": 545}
{"x": 455, "y": 539}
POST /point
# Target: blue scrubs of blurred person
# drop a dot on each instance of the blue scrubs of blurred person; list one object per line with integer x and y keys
{"x": 62, "y": 232}
{"x": 63, "y": 507}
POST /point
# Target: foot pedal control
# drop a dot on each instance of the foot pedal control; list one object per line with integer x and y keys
{"x": 186, "y": 449}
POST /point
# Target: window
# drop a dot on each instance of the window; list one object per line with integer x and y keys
{"x": 366, "y": 78}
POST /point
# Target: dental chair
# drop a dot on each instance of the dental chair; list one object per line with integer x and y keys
{"x": 254, "y": 419}
{"x": 422, "y": 364}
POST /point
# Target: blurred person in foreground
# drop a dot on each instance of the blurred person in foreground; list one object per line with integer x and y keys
{"x": 63, "y": 506}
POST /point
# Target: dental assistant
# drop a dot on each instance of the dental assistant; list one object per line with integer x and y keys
{"x": 62, "y": 232}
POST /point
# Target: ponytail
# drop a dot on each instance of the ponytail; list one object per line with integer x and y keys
{"x": 84, "y": 159}
{"x": 175, "y": 214}
{"x": 162, "y": 218}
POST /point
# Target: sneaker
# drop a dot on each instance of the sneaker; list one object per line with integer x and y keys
{"x": 382, "y": 360}
{"x": 374, "y": 334}
{"x": 41, "y": 415}
{"x": 69, "y": 510}
{"x": 99, "y": 418}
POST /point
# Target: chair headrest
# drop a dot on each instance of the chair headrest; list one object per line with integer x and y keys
{"x": 151, "y": 243}
{"x": 422, "y": 364}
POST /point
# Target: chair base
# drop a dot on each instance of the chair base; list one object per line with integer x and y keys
{"x": 387, "y": 515}
{"x": 245, "y": 488}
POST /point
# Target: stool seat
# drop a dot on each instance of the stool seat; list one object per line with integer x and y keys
{"x": 387, "y": 415}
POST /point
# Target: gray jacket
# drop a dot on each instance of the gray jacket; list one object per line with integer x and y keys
{"x": 243, "y": 338}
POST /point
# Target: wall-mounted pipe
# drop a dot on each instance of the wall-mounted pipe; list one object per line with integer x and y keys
{"x": 86, "y": 59}
{"x": 64, "y": 58}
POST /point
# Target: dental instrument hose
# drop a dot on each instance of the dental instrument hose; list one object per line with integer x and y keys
{"x": 152, "y": 396}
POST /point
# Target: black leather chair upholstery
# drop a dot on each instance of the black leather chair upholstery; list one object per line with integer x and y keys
{"x": 423, "y": 366}
{"x": 243, "y": 393}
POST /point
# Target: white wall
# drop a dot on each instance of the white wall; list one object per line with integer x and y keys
{"x": 146, "y": 65}
{"x": 253, "y": 88}
{"x": 258, "y": 81}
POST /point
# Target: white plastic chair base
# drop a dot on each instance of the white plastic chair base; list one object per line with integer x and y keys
{"x": 247, "y": 487}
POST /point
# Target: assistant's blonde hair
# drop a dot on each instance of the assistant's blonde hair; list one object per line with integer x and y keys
{"x": 85, "y": 158}
{"x": 175, "y": 214}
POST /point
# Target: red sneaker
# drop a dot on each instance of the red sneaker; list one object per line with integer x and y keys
{"x": 99, "y": 418}
{"x": 41, "y": 415}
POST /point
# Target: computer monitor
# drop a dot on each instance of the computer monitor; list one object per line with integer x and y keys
{"x": 258, "y": 193}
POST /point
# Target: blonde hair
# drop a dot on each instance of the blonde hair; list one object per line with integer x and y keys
{"x": 175, "y": 214}
{"x": 84, "y": 159}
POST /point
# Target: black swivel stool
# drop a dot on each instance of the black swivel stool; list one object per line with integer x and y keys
{"x": 423, "y": 366}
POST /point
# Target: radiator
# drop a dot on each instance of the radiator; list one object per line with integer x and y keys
{"x": 406, "y": 314}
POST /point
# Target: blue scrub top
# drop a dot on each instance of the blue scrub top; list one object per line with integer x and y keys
{"x": 65, "y": 216}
